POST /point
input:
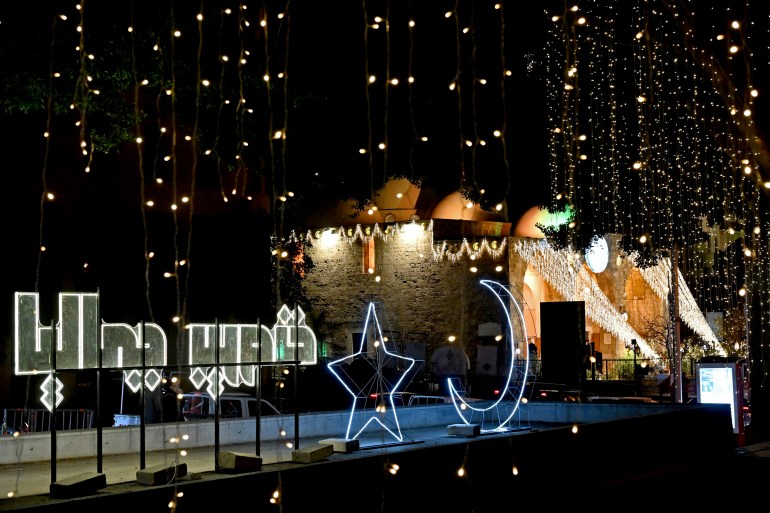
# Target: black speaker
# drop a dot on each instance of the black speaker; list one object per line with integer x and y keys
{"x": 562, "y": 342}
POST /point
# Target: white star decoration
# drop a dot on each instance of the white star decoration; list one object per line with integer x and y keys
{"x": 377, "y": 387}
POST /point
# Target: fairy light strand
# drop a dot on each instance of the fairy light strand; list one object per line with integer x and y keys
{"x": 568, "y": 276}
{"x": 668, "y": 139}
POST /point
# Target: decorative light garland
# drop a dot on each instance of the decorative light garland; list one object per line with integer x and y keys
{"x": 651, "y": 134}
{"x": 564, "y": 271}
{"x": 657, "y": 278}
{"x": 474, "y": 250}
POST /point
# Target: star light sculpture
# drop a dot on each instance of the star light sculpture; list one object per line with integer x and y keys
{"x": 376, "y": 386}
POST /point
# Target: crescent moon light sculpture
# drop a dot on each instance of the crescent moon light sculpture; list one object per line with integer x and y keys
{"x": 496, "y": 417}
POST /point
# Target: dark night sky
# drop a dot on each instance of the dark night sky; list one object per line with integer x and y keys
{"x": 97, "y": 214}
{"x": 96, "y": 217}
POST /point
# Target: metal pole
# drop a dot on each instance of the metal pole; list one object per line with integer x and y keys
{"x": 748, "y": 331}
{"x": 296, "y": 376}
{"x": 675, "y": 306}
{"x": 99, "y": 448}
{"x": 258, "y": 389}
{"x": 216, "y": 395}
{"x": 143, "y": 397}
{"x": 52, "y": 396}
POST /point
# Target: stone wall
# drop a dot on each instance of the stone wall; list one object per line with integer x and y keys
{"x": 419, "y": 297}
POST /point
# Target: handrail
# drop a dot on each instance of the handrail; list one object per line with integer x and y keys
{"x": 33, "y": 420}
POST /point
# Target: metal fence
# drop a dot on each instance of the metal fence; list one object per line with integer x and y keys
{"x": 623, "y": 369}
{"x": 24, "y": 420}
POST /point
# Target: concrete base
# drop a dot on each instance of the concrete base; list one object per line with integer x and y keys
{"x": 86, "y": 483}
{"x": 161, "y": 474}
{"x": 344, "y": 445}
{"x": 464, "y": 429}
{"x": 234, "y": 462}
{"x": 312, "y": 453}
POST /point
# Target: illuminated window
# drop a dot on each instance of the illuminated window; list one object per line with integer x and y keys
{"x": 367, "y": 250}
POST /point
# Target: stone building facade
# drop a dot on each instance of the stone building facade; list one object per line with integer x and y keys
{"x": 424, "y": 279}
{"x": 427, "y": 292}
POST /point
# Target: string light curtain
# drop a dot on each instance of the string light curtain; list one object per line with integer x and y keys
{"x": 651, "y": 134}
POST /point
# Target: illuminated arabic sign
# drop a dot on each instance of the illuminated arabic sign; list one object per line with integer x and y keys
{"x": 228, "y": 356}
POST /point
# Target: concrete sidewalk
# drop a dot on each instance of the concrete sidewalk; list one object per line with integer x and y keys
{"x": 548, "y": 457}
{"x": 30, "y": 482}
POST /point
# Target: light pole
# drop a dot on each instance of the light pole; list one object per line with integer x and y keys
{"x": 675, "y": 310}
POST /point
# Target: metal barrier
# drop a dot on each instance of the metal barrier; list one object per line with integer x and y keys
{"x": 25, "y": 420}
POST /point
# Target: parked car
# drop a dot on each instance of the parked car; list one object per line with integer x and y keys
{"x": 199, "y": 405}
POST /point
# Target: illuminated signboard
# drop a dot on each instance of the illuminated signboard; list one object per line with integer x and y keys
{"x": 717, "y": 383}
{"x": 79, "y": 330}
{"x": 247, "y": 343}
